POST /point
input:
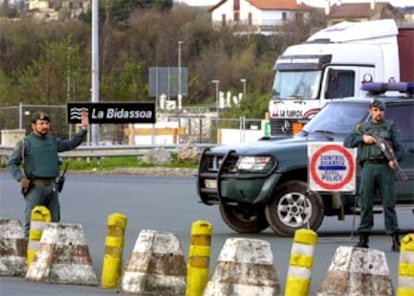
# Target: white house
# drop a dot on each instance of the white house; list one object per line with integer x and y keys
{"x": 57, "y": 9}
{"x": 259, "y": 16}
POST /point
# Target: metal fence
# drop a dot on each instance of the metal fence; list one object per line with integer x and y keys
{"x": 200, "y": 126}
{"x": 19, "y": 117}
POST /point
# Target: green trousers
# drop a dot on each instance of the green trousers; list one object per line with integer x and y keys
{"x": 377, "y": 177}
{"x": 47, "y": 196}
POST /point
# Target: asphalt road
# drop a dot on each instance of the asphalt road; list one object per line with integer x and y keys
{"x": 169, "y": 204}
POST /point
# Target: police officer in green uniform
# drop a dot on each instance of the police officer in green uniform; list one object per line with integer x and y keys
{"x": 38, "y": 154}
{"x": 377, "y": 172}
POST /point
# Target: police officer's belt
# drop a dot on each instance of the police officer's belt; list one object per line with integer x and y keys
{"x": 44, "y": 181}
{"x": 377, "y": 161}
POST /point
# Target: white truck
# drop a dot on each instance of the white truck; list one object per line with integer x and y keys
{"x": 332, "y": 63}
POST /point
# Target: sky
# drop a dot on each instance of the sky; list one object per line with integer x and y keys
{"x": 318, "y": 3}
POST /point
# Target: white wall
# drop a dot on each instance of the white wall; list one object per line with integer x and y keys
{"x": 259, "y": 17}
{"x": 234, "y": 136}
{"x": 225, "y": 8}
{"x": 155, "y": 139}
{"x": 36, "y": 4}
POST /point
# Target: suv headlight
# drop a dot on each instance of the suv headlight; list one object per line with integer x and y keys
{"x": 254, "y": 163}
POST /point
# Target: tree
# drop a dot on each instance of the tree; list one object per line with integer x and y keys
{"x": 125, "y": 85}
{"x": 43, "y": 65}
{"x": 7, "y": 92}
{"x": 119, "y": 12}
{"x": 56, "y": 76}
{"x": 253, "y": 106}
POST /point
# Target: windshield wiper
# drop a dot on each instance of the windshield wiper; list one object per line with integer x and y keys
{"x": 295, "y": 96}
{"x": 328, "y": 134}
{"x": 275, "y": 95}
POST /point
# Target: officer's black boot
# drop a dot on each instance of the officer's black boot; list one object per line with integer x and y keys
{"x": 395, "y": 242}
{"x": 363, "y": 241}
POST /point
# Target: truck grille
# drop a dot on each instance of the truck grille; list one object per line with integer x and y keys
{"x": 281, "y": 126}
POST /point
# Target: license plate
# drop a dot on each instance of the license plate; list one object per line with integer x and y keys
{"x": 210, "y": 183}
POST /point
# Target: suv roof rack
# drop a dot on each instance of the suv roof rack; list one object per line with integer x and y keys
{"x": 377, "y": 88}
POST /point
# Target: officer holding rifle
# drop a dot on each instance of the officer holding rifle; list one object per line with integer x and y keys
{"x": 38, "y": 155}
{"x": 377, "y": 171}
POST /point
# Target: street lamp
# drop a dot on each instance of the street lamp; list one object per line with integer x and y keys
{"x": 69, "y": 49}
{"x": 179, "y": 95}
{"x": 217, "y": 82}
{"x": 244, "y": 80}
{"x": 95, "y": 66}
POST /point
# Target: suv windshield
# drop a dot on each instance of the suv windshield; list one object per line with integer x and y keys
{"x": 338, "y": 117}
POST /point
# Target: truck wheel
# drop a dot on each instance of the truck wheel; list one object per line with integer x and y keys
{"x": 293, "y": 207}
{"x": 244, "y": 220}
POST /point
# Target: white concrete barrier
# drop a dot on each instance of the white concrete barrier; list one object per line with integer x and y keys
{"x": 244, "y": 267}
{"x": 13, "y": 247}
{"x": 62, "y": 257}
{"x": 357, "y": 272}
{"x": 156, "y": 266}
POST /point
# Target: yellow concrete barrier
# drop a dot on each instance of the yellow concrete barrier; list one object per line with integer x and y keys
{"x": 38, "y": 220}
{"x": 114, "y": 245}
{"x": 301, "y": 261}
{"x": 199, "y": 257}
{"x": 406, "y": 267}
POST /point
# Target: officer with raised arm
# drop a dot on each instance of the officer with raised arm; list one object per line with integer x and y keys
{"x": 38, "y": 155}
{"x": 377, "y": 172}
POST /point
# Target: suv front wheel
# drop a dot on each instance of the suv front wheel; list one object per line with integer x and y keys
{"x": 246, "y": 219}
{"x": 293, "y": 207}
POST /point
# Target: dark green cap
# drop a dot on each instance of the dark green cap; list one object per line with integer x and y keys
{"x": 40, "y": 116}
{"x": 378, "y": 104}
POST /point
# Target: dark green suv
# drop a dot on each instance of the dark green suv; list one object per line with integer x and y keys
{"x": 265, "y": 183}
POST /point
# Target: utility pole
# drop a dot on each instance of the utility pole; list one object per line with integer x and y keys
{"x": 217, "y": 82}
{"x": 179, "y": 94}
{"x": 95, "y": 66}
{"x": 244, "y": 80}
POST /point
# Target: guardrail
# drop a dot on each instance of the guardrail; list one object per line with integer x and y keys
{"x": 115, "y": 150}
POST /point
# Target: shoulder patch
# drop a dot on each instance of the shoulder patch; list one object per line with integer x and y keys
{"x": 358, "y": 129}
{"x": 18, "y": 146}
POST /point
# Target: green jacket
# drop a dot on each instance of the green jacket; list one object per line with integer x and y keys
{"x": 385, "y": 129}
{"x": 40, "y": 157}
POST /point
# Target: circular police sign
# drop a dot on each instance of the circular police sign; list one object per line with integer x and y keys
{"x": 331, "y": 167}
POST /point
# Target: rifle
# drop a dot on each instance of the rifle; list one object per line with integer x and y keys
{"x": 26, "y": 190}
{"x": 386, "y": 148}
{"x": 61, "y": 180}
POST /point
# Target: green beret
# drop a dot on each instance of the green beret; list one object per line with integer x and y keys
{"x": 378, "y": 104}
{"x": 40, "y": 116}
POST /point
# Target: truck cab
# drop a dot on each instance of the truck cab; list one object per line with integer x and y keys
{"x": 330, "y": 65}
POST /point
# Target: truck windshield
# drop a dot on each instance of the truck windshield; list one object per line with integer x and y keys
{"x": 338, "y": 117}
{"x": 296, "y": 85}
